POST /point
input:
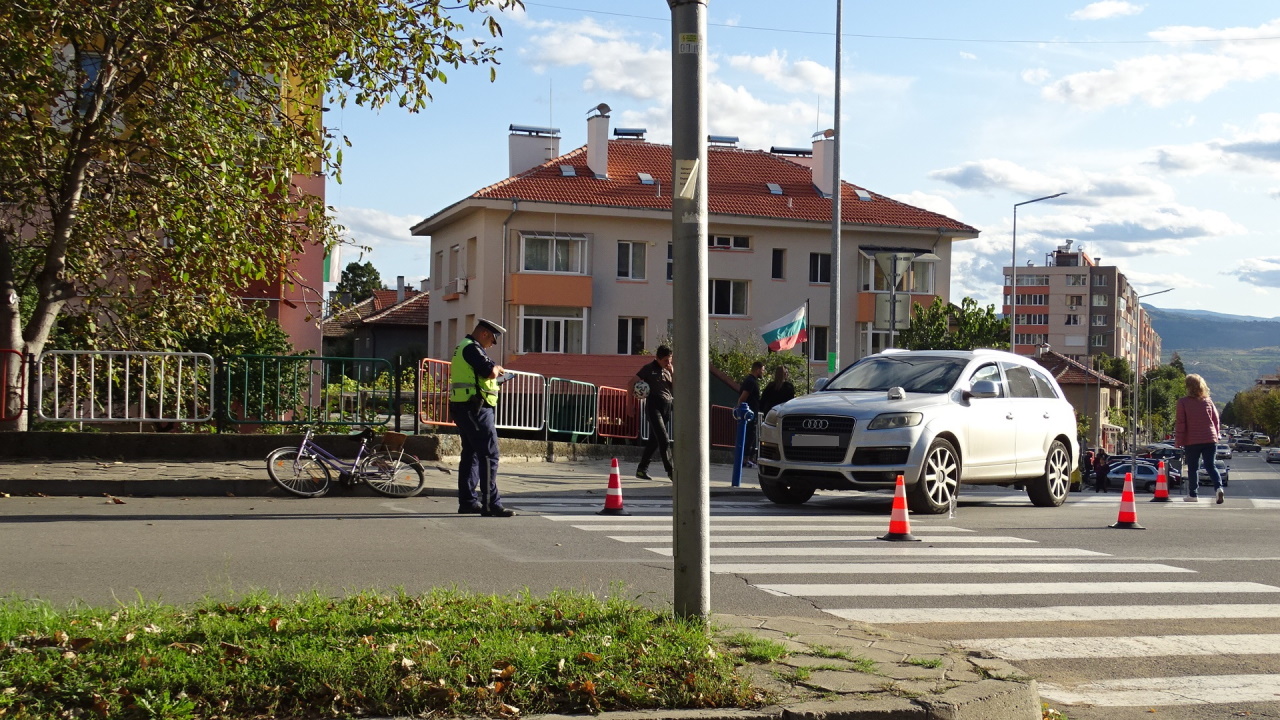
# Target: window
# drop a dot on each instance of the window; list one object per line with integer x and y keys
{"x": 1075, "y": 301}
{"x": 1033, "y": 280}
{"x": 631, "y": 259}
{"x": 921, "y": 278}
{"x": 551, "y": 329}
{"x": 1077, "y": 280}
{"x": 1020, "y": 383}
{"x": 988, "y": 372}
{"x": 1099, "y": 320}
{"x": 630, "y": 335}
{"x": 916, "y": 277}
{"x": 1044, "y": 388}
{"x": 455, "y": 261}
{"x": 670, "y": 267}
{"x": 1030, "y": 338}
{"x": 1098, "y": 340}
{"x": 1100, "y": 300}
{"x": 728, "y": 297}
{"x": 1030, "y": 299}
{"x": 1073, "y": 319}
{"x": 559, "y": 254}
{"x": 437, "y": 270}
{"x": 875, "y": 340}
{"x": 1100, "y": 281}
{"x": 729, "y": 242}
{"x": 1032, "y": 319}
{"x": 818, "y": 343}
{"x": 91, "y": 66}
{"x": 820, "y": 268}
{"x": 779, "y": 264}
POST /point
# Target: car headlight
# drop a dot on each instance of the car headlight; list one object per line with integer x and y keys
{"x": 889, "y": 421}
{"x": 771, "y": 418}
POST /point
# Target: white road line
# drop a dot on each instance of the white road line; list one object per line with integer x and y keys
{"x": 938, "y": 568}
{"x": 654, "y": 517}
{"x": 1051, "y": 648}
{"x": 1060, "y": 613}
{"x": 1026, "y": 588}
{"x": 817, "y": 528}
{"x": 994, "y": 540}
{"x": 887, "y": 549}
{"x": 1152, "y": 692}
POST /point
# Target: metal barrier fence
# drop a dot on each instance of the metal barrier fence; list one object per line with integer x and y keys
{"x": 124, "y": 386}
{"x": 301, "y": 390}
{"x": 13, "y": 385}
{"x": 522, "y": 402}
{"x": 723, "y": 427}
{"x": 571, "y": 406}
{"x": 618, "y": 413}
{"x": 433, "y": 392}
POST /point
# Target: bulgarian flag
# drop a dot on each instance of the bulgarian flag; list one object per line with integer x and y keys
{"x": 786, "y": 331}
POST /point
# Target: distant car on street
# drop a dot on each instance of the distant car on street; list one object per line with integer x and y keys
{"x": 1223, "y": 469}
{"x": 1247, "y": 446}
{"x": 1144, "y": 477}
{"x": 1273, "y": 455}
{"x": 1223, "y": 453}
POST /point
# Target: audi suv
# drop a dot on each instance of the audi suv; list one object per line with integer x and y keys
{"x": 938, "y": 418}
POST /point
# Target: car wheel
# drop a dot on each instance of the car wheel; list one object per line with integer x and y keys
{"x": 1149, "y": 487}
{"x": 1050, "y": 489}
{"x": 784, "y": 494}
{"x": 939, "y": 477}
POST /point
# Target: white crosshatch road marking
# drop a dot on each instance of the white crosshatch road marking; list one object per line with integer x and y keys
{"x": 1050, "y": 648}
{"x": 1058, "y": 613}
{"x": 977, "y": 539}
{"x": 1029, "y": 588}
{"x": 931, "y": 568}
{"x": 1167, "y": 691}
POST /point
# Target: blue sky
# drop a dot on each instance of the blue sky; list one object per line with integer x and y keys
{"x": 1161, "y": 121}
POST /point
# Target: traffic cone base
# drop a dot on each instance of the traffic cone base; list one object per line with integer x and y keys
{"x": 1162, "y": 485}
{"x": 899, "y": 519}
{"x": 613, "y": 495}
{"x": 1128, "y": 517}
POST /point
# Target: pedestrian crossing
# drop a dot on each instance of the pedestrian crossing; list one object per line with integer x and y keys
{"x": 921, "y": 586}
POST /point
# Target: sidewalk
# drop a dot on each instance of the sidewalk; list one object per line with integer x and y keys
{"x": 911, "y": 678}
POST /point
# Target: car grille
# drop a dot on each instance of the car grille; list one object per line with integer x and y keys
{"x": 769, "y": 451}
{"x": 881, "y": 455}
{"x": 840, "y": 428}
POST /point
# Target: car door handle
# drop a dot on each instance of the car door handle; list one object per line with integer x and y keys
{"x": 1046, "y": 416}
{"x": 1008, "y": 416}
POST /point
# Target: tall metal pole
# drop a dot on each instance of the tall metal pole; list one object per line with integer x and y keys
{"x": 1013, "y": 271}
{"x": 691, "y": 491}
{"x": 1133, "y": 389}
{"x": 833, "y": 332}
{"x": 893, "y": 302}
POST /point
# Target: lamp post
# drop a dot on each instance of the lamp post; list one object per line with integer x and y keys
{"x": 1133, "y": 392}
{"x": 1013, "y": 270}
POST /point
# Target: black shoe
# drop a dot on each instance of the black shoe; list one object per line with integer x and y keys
{"x": 497, "y": 511}
{"x": 469, "y": 509}
{"x": 643, "y": 475}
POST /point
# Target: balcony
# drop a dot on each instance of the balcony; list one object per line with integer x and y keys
{"x": 455, "y": 289}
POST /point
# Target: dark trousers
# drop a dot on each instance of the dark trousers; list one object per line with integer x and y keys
{"x": 478, "y": 470}
{"x": 659, "y": 417}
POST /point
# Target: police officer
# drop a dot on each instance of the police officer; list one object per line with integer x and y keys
{"x": 473, "y": 395}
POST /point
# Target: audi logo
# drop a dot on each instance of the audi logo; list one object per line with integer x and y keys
{"x": 814, "y": 424}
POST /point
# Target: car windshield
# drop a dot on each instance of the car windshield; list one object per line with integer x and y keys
{"x": 913, "y": 374}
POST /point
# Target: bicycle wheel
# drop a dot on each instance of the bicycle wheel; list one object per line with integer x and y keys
{"x": 302, "y": 476}
{"x": 393, "y": 477}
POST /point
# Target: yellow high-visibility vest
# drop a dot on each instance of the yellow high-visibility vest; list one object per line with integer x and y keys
{"x": 463, "y": 383}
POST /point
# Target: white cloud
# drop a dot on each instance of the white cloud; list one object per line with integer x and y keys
{"x": 615, "y": 64}
{"x": 1035, "y": 76}
{"x": 1106, "y": 9}
{"x": 1146, "y": 281}
{"x": 1082, "y": 188}
{"x": 967, "y": 56}
{"x": 1263, "y": 272}
{"x": 1254, "y": 150}
{"x": 1274, "y": 193}
{"x": 392, "y": 249}
{"x": 1160, "y": 80}
{"x": 804, "y": 77}
{"x": 933, "y": 203}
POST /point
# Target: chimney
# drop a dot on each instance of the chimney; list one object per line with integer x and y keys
{"x": 529, "y": 146}
{"x": 823, "y": 160}
{"x": 424, "y": 284}
{"x": 598, "y": 142}
{"x": 399, "y": 289}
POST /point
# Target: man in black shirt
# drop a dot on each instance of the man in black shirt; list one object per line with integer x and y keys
{"x": 751, "y": 396}
{"x": 658, "y": 375}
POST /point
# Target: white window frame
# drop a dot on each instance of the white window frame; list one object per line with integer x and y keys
{"x": 1072, "y": 319}
{"x": 1098, "y": 340}
{"x": 816, "y": 268}
{"x": 630, "y": 328}
{"x": 634, "y": 270}
{"x": 671, "y": 254}
{"x": 1031, "y": 319}
{"x": 555, "y": 239}
{"x": 729, "y": 242}
{"x": 813, "y": 331}
{"x": 920, "y": 278}
{"x": 544, "y": 324}
{"x": 1100, "y": 300}
{"x": 735, "y": 287}
{"x": 873, "y": 340}
{"x": 782, "y": 271}
{"x": 1098, "y": 321}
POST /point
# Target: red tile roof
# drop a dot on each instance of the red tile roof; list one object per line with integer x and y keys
{"x": 380, "y": 309}
{"x": 736, "y": 180}
{"x": 1070, "y": 372}
{"x": 415, "y": 310}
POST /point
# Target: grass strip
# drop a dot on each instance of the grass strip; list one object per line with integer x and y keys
{"x": 445, "y": 652}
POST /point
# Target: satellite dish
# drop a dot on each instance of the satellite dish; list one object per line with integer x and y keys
{"x": 602, "y": 108}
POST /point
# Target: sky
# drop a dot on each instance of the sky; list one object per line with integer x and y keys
{"x": 1160, "y": 120}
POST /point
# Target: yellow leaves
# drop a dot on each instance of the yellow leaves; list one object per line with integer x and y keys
{"x": 589, "y": 657}
{"x": 502, "y": 670}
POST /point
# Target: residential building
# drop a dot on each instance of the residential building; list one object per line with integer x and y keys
{"x": 391, "y": 324}
{"x": 1092, "y": 394}
{"x": 1081, "y": 309}
{"x": 572, "y": 252}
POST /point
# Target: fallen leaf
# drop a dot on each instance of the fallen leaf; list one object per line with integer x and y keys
{"x": 509, "y": 710}
{"x": 275, "y": 624}
{"x": 502, "y": 670}
{"x": 150, "y": 661}
{"x": 589, "y": 657}
{"x": 60, "y": 636}
{"x": 127, "y": 637}
{"x": 151, "y": 628}
{"x": 232, "y": 650}
{"x": 406, "y": 663}
{"x": 431, "y": 647}
{"x": 190, "y": 648}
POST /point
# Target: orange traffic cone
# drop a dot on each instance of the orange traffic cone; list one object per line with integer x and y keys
{"x": 613, "y": 496}
{"x": 899, "y": 522}
{"x": 1128, "y": 518}
{"x": 1162, "y": 485}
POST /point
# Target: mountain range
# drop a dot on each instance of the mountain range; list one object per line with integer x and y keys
{"x": 1230, "y": 351}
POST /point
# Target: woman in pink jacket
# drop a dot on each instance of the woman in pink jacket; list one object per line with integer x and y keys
{"x": 1196, "y": 431}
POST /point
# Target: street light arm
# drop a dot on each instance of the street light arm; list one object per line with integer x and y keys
{"x": 1046, "y": 197}
{"x": 1013, "y": 272}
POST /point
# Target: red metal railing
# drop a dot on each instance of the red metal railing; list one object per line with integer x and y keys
{"x": 433, "y": 393}
{"x": 618, "y": 413}
{"x": 723, "y": 426}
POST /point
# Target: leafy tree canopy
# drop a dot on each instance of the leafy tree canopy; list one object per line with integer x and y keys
{"x": 360, "y": 281}
{"x": 155, "y": 156}
{"x": 943, "y": 326}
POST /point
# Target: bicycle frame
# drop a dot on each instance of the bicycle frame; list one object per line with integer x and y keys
{"x": 310, "y": 449}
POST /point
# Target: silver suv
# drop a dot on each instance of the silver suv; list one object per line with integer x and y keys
{"x": 936, "y": 417}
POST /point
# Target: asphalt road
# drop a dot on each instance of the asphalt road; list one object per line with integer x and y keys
{"x": 1001, "y": 576}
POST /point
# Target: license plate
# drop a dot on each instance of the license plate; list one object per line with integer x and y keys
{"x": 798, "y": 440}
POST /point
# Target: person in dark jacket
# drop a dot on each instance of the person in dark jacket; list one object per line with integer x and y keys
{"x": 1100, "y": 468}
{"x": 473, "y": 397}
{"x": 778, "y": 391}
{"x": 750, "y": 395}
{"x": 659, "y": 376}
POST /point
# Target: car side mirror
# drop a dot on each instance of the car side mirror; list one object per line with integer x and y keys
{"x": 819, "y": 384}
{"x": 983, "y": 389}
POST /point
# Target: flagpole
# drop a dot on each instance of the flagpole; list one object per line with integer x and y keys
{"x": 807, "y": 383}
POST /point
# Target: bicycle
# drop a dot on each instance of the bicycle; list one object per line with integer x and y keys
{"x": 307, "y": 470}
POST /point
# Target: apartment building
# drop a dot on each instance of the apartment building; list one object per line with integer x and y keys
{"x": 572, "y": 252}
{"x": 1079, "y": 308}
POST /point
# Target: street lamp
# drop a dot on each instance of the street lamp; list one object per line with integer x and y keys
{"x": 1013, "y": 270}
{"x": 893, "y": 259}
{"x": 1133, "y": 393}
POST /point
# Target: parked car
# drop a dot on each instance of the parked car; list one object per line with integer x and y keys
{"x": 1273, "y": 455}
{"x": 1223, "y": 470}
{"x": 937, "y": 418}
{"x": 1144, "y": 476}
{"x": 1223, "y": 453}
{"x": 1247, "y": 446}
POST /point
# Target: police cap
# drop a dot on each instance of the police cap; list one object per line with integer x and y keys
{"x": 492, "y": 327}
